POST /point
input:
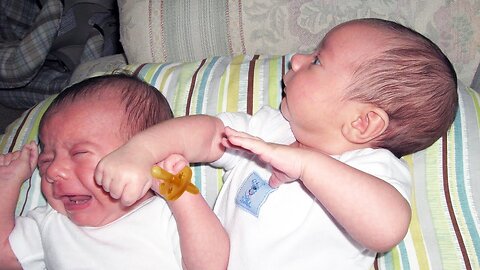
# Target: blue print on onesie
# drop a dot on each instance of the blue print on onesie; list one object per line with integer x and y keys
{"x": 253, "y": 193}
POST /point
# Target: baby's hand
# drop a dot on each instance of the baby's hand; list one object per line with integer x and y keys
{"x": 125, "y": 174}
{"x": 172, "y": 164}
{"x": 285, "y": 160}
{"x": 19, "y": 165}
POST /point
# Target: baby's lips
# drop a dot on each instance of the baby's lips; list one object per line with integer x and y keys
{"x": 76, "y": 202}
{"x": 76, "y": 199}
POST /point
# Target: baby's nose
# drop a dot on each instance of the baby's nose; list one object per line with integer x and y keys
{"x": 298, "y": 60}
{"x": 52, "y": 179}
{"x": 55, "y": 172}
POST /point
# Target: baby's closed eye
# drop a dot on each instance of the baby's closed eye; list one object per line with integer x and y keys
{"x": 44, "y": 161}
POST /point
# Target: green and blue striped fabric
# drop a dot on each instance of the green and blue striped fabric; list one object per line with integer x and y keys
{"x": 19, "y": 133}
{"x": 445, "y": 226}
{"x": 444, "y": 232}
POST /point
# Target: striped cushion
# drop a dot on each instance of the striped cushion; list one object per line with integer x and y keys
{"x": 17, "y": 134}
{"x": 444, "y": 232}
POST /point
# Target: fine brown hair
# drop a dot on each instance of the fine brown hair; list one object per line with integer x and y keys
{"x": 414, "y": 82}
{"x": 144, "y": 105}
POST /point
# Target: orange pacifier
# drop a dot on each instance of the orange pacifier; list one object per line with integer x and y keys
{"x": 173, "y": 186}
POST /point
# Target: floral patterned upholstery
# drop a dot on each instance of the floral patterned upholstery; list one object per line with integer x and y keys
{"x": 171, "y": 31}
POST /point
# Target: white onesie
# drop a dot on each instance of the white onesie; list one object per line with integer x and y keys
{"x": 145, "y": 238}
{"x": 287, "y": 228}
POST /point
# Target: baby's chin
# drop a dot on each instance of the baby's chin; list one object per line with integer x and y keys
{"x": 90, "y": 214}
{"x": 99, "y": 219}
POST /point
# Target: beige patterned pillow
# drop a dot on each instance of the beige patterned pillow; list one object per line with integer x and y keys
{"x": 158, "y": 31}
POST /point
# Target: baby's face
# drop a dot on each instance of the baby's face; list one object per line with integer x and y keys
{"x": 315, "y": 86}
{"x": 73, "y": 141}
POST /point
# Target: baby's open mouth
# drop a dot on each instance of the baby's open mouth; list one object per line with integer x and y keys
{"x": 76, "y": 202}
{"x": 79, "y": 199}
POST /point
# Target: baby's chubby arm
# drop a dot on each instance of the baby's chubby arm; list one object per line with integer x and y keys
{"x": 125, "y": 172}
{"x": 15, "y": 168}
{"x": 204, "y": 242}
{"x": 372, "y": 211}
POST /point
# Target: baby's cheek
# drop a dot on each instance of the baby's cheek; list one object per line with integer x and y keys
{"x": 47, "y": 191}
{"x": 47, "y": 188}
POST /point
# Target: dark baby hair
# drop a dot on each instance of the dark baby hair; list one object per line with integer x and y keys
{"x": 144, "y": 105}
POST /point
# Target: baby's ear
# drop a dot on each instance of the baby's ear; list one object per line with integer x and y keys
{"x": 368, "y": 125}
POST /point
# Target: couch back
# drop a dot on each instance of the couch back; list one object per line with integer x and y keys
{"x": 157, "y": 31}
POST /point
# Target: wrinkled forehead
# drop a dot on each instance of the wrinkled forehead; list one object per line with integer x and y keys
{"x": 83, "y": 111}
{"x": 89, "y": 102}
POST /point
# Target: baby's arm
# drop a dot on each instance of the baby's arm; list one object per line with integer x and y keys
{"x": 372, "y": 211}
{"x": 125, "y": 173}
{"x": 15, "y": 168}
{"x": 203, "y": 241}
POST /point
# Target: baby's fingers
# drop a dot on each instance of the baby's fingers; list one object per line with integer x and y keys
{"x": 105, "y": 174}
{"x": 132, "y": 193}
{"x": 230, "y": 132}
{"x": 4, "y": 159}
{"x": 31, "y": 150}
{"x": 241, "y": 139}
{"x": 274, "y": 182}
{"x": 278, "y": 178}
{"x": 123, "y": 187}
{"x": 101, "y": 178}
{"x": 19, "y": 165}
{"x": 10, "y": 157}
{"x": 127, "y": 193}
{"x": 173, "y": 163}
